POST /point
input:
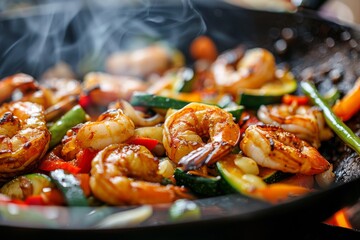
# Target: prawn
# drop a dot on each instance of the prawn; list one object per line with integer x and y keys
{"x": 141, "y": 62}
{"x": 56, "y": 95}
{"x": 112, "y": 126}
{"x": 273, "y": 147}
{"x": 104, "y": 88}
{"x": 252, "y": 69}
{"x": 306, "y": 122}
{"x": 199, "y": 134}
{"x": 128, "y": 174}
{"x": 24, "y": 138}
{"x": 20, "y": 81}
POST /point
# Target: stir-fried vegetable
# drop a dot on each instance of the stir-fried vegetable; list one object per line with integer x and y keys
{"x": 349, "y": 105}
{"x": 71, "y": 118}
{"x": 189, "y": 136}
{"x": 333, "y": 121}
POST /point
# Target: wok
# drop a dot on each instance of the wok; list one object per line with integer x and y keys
{"x": 35, "y": 39}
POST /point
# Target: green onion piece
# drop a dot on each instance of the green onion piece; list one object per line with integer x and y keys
{"x": 334, "y": 122}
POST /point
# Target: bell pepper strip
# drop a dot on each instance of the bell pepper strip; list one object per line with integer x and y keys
{"x": 149, "y": 143}
{"x": 332, "y": 120}
{"x": 289, "y": 99}
{"x": 53, "y": 196}
{"x": 349, "y": 105}
{"x": 247, "y": 119}
{"x": 84, "y": 158}
{"x": 71, "y": 118}
{"x": 49, "y": 165}
{"x": 35, "y": 200}
{"x": 85, "y": 100}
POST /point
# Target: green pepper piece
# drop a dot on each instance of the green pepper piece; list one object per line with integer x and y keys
{"x": 73, "y": 117}
{"x": 334, "y": 122}
{"x": 70, "y": 187}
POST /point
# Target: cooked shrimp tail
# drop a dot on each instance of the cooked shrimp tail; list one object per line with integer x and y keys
{"x": 199, "y": 134}
{"x": 205, "y": 155}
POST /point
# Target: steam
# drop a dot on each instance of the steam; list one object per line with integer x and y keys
{"x": 83, "y": 33}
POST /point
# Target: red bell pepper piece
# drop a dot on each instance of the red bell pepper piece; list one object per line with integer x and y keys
{"x": 85, "y": 100}
{"x": 84, "y": 158}
{"x": 35, "y": 200}
{"x": 246, "y": 120}
{"x": 51, "y": 165}
{"x": 149, "y": 143}
{"x": 288, "y": 99}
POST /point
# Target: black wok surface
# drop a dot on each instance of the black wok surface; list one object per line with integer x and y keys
{"x": 34, "y": 40}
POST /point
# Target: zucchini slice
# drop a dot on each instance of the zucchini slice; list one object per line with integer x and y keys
{"x": 26, "y": 185}
{"x": 70, "y": 187}
{"x": 269, "y": 93}
{"x": 151, "y": 100}
{"x": 272, "y": 176}
{"x": 236, "y": 181}
{"x": 184, "y": 80}
{"x": 156, "y": 101}
{"x": 236, "y": 111}
{"x": 202, "y": 186}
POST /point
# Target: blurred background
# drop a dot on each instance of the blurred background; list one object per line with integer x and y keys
{"x": 344, "y": 10}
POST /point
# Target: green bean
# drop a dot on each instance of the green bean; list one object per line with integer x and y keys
{"x": 74, "y": 116}
{"x": 334, "y": 122}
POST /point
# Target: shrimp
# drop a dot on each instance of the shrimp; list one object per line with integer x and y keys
{"x": 252, "y": 70}
{"x": 128, "y": 174}
{"x": 273, "y": 147}
{"x": 104, "y": 88}
{"x": 56, "y": 95}
{"x": 20, "y": 81}
{"x": 152, "y": 59}
{"x": 306, "y": 122}
{"x": 24, "y": 138}
{"x": 112, "y": 126}
{"x": 199, "y": 134}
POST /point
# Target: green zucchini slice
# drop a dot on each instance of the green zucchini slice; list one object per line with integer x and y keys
{"x": 202, "y": 186}
{"x": 155, "y": 101}
{"x": 269, "y": 93}
{"x": 272, "y": 176}
{"x": 70, "y": 187}
{"x": 151, "y": 100}
{"x": 236, "y": 181}
{"x": 184, "y": 80}
{"x": 26, "y": 185}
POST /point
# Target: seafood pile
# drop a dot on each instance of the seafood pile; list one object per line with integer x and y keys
{"x": 152, "y": 129}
